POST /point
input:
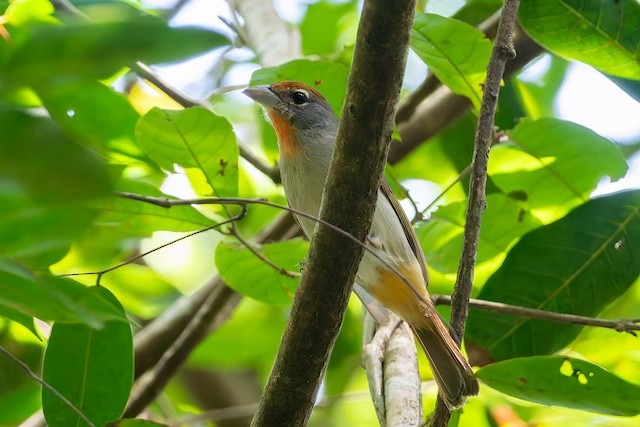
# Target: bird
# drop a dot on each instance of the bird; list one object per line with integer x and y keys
{"x": 396, "y": 276}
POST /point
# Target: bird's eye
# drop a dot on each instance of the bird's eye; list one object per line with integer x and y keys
{"x": 299, "y": 97}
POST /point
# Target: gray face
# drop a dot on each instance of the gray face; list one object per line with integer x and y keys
{"x": 305, "y": 109}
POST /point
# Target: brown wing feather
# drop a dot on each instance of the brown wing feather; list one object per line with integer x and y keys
{"x": 406, "y": 226}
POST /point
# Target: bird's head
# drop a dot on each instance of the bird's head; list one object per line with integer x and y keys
{"x": 299, "y": 113}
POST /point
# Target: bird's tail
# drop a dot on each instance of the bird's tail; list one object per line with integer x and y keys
{"x": 455, "y": 378}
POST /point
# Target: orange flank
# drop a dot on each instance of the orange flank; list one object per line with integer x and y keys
{"x": 407, "y": 301}
{"x": 285, "y": 133}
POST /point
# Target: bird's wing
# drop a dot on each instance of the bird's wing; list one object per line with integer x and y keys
{"x": 406, "y": 226}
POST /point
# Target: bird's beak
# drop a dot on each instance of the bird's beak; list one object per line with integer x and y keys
{"x": 263, "y": 95}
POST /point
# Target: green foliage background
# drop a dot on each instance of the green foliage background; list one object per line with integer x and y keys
{"x": 77, "y": 125}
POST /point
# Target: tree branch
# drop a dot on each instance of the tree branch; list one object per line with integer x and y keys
{"x": 621, "y": 325}
{"x": 351, "y": 190}
{"x": 266, "y": 34}
{"x": 502, "y": 51}
{"x": 389, "y": 356}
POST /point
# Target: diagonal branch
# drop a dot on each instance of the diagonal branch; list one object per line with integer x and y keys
{"x": 502, "y": 51}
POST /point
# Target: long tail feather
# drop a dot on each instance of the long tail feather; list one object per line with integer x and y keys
{"x": 455, "y": 378}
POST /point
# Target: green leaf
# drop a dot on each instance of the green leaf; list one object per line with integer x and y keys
{"x": 20, "y": 12}
{"x": 44, "y": 181}
{"x": 92, "y": 368}
{"x": 328, "y": 77}
{"x": 334, "y": 19}
{"x": 146, "y": 218}
{"x": 538, "y": 97}
{"x": 554, "y": 165}
{"x": 21, "y": 318}
{"x": 35, "y": 153}
{"x": 446, "y": 161}
{"x": 94, "y": 115}
{"x": 601, "y": 33}
{"x": 192, "y": 138}
{"x": 19, "y": 394}
{"x": 250, "y": 276}
{"x": 576, "y": 265}
{"x": 563, "y": 381}
{"x": 503, "y": 222}
{"x": 456, "y": 52}
{"x": 475, "y": 12}
{"x": 52, "y": 298}
{"x": 98, "y": 50}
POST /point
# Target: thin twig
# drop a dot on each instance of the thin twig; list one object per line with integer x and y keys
{"x": 261, "y": 257}
{"x": 167, "y": 203}
{"x": 101, "y": 273}
{"x": 44, "y": 384}
{"x": 621, "y": 325}
{"x": 144, "y": 71}
{"x": 420, "y": 216}
{"x": 502, "y": 51}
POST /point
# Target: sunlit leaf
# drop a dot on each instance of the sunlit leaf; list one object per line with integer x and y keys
{"x": 20, "y": 317}
{"x": 250, "y": 276}
{"x": 601, "y": 33}
{"x": 554, "y": 165}
{"x": 455, "y": 51}
{"x": 563, "y": 381}
{"x": 92, "y": 368}
{"x": 538, "y": 97}
{"x": 576, "y": 265}
{"x": 192, "y": 138}
{"x": 503, "y": 222}
{"x": 333, "y": 19}
{"x": 20, "y": 12}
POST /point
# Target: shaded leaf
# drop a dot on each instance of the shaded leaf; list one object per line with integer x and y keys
{"x": 145, "y": 218}
{"x": 94, "y": 115}
{"x": 456, "y": 52}
{"x": 98, "y": 50}
{"x": 248, "y": 275}
{"x": 192, "y": 138}
{"x": 554, "y": 164}
{"x": 52, "y": 298}
{"x": 578, "y": 264}
{"x": 45, "y": 180}
{"x": 92, "y": 368}
{"x": 563, "y": 381}
{"x": 601, "y": 33}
